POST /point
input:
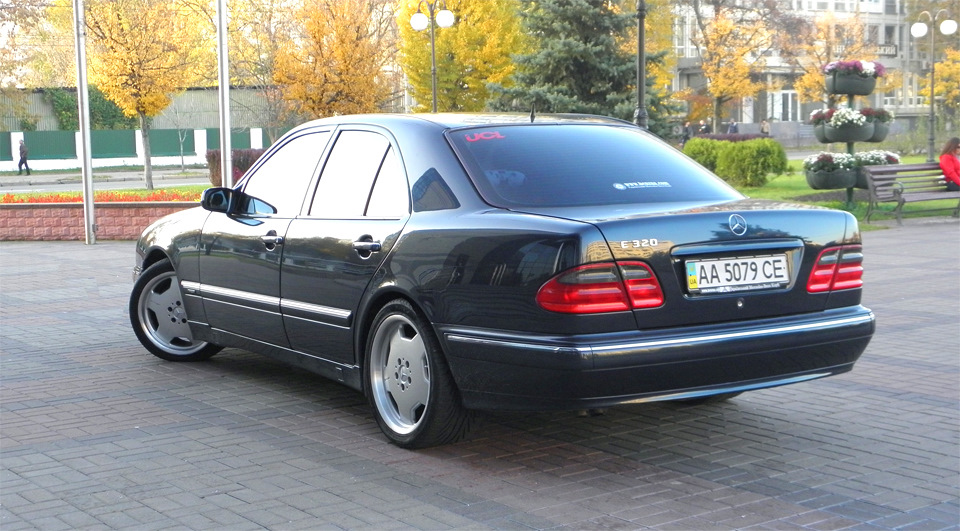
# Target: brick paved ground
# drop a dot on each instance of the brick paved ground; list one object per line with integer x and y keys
{"x": 97, "y": 433}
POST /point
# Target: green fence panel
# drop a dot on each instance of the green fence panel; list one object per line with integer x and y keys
{"x": 239, "y": 139}
{"x": 46, "y": 145}
{"x": 108, "y": 144}
{"x": 166, "y": 142}
{"x": 5, "y": 152}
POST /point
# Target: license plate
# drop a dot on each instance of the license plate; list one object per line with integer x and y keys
{"x": 737, "y": 274}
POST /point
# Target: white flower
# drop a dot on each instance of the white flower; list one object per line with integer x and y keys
{"x": 868, "y": 68}
{"x": 878, "y": 156}
{"x": 845, "y": 116}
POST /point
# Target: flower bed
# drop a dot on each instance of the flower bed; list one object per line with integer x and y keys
{"x": 103, "y": 197}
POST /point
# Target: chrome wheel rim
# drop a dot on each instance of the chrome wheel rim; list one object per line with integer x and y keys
{"x": 400, "y": 374}
{"x": 164, "y": 319}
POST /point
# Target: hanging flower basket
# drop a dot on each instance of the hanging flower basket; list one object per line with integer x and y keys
{"x": 880, "y": 131}
{"x": 852, "y": 77}
{"x": 849, "y": 133}
{"x": 831, "y": 179}
{"x": 820, "y": 133}
{"x": 838, "y": 83}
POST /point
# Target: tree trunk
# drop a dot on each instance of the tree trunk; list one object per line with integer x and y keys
{"x": 147, "y": 159}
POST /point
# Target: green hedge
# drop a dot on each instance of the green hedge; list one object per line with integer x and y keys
{"x": 745, "y": 163}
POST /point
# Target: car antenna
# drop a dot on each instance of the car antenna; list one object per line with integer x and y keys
{"x": 533, "y": 112}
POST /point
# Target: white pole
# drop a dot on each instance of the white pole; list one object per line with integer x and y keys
{"x": 226, "y": 164}
{"x": 89, "y": 220}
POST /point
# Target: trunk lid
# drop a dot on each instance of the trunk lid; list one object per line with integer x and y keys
{"x": 745, "y": 259}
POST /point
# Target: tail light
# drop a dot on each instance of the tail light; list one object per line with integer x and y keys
{"x": 837, "y": 268}
{"x": 603, "y": 287}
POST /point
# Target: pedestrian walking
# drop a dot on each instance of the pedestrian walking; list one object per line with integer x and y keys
{"x": 685, "y": 134}
{"x": 23, "y": 159}
{"x": 733, "y": 128}
{"x": 764, "y": 128}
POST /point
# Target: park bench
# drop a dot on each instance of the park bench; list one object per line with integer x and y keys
{"x": 907, "y": 183}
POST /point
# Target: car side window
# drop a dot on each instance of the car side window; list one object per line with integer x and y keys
{"x": 349, "y": 175}
{"x": 282, "y": 180}
{"x": 390, "y": 197}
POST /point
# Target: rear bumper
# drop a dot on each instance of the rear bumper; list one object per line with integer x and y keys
{"x": 502, "y": 370}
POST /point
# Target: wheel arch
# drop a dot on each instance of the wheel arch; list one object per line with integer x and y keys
{"x": 368, "y": 313}
{"x": 154, "y": 255}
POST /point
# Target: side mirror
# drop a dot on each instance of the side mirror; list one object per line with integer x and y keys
{"x": 218, "y": 199}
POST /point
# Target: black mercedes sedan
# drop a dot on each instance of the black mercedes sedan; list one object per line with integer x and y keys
{"x": 443, "y": 264}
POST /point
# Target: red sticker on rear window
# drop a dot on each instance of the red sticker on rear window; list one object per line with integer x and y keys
{"x": 486, "y": 135}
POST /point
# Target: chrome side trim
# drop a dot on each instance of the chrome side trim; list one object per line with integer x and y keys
{"x": 666, "y": 342}
{"x": 206, "y": 289}
{"x": 196, "y": 288}
{"x": 193, "y": 288}
{"x": 315, "y": 308}
{"x": 519, "y": 345}
{"x": 743, "y": 334}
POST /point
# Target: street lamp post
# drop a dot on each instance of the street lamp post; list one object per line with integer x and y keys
{"x": 918, "y": 30}
{"x": 641, "y": 112}
{"x": 420, "y": 21}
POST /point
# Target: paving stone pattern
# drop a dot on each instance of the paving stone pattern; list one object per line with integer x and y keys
{"x": 96, "y": 433}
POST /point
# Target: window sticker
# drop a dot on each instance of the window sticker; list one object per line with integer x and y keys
{"x": 642, "y": 184}
{"x": 485, "y": 135}
{"x": 505, "y": 177}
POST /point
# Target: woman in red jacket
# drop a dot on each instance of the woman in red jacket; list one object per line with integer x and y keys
{"x": 950, "y": 163}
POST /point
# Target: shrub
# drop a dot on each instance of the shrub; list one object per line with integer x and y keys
{"x": 748, "y": 163}
{"x": 242, "y": 159}
{"x": 705, "y": 151}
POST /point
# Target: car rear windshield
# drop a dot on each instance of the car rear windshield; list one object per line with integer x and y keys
{"x": 552, "y": 165}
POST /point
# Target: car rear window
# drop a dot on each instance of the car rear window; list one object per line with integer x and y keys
{"x": 551, "y": 165}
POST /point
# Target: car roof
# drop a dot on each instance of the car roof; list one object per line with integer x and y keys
{"x": 457, "y": 120}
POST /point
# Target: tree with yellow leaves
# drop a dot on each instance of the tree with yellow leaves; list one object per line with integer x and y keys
{"x": 143, "y": 53}
{"x": 729, "y": 59}
{"x": 946, "y": 87}
{"x": 471, "y": 54}
{"x": 337, "y": 65}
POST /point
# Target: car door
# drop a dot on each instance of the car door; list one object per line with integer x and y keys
{"x": 330, "y": 255}
{"x": 241, "y": 252}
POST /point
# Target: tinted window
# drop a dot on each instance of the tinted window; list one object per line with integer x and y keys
{"x": 574, "y": 165}
{"x": 349, "y": 174}
{"x": 389, "y": 198}
{"x": 282, "y": 180}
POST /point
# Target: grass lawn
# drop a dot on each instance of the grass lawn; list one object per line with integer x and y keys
{"x": 792, "y": 186}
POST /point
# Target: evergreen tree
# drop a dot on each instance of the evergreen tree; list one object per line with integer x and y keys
{"x": 577, "y": 64}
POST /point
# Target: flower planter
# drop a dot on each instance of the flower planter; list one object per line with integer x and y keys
{"x": 831, "y": 180}
{"x": 855, "y": 133}
{"x": 862, "y": 179}
{"x": 820, "y": 134}
{"x": 880, "y": 130}
{"x": 850, "y": 84}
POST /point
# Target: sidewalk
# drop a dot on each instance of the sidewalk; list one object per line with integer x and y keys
{"x": 134, "y": 175}
{"x": 99, "y": 434}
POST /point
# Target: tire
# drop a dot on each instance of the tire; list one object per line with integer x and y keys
{"x": 159, "y": 319}
{"x": 408, "y": 382}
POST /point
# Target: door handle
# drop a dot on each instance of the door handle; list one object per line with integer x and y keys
{"x": 368, "y": 247}
{"x": 271, "y": 240}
